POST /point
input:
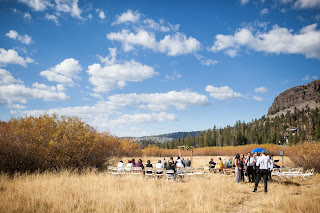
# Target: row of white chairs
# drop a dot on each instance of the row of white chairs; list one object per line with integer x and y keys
{"x": 159, "y": 172}
{"x": 291, "y": 173}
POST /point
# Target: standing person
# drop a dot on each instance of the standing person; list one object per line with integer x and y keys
{"x": 262, "y": 163}
{"x": 220, "y": 163}
{"x": 250, "y": 171}
{"x": 270, "y": 168}
{"x": 241, "y": 165}
{"x": 255, "y": 167}
{"x": 188, "y": 162}
{"x": 237, "y": 168}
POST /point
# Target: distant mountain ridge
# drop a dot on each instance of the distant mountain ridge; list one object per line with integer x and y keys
{"x": 165, "y": 137}
{"x": 299, "y": 97}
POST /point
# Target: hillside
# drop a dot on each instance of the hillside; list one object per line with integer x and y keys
{"x": 300, "y": 97}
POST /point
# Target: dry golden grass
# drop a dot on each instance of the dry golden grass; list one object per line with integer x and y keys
{"x": 100, "y": 192}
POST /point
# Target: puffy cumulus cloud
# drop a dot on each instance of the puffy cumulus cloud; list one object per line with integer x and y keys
{"x": 38, "y": 5}
{"x": 64, "y": 72}
{"x": 13, "y": 90}
{"x": 160, "y": 101}
{"x": 101, "y": 14}
{"x": 261, "y": 90}
{"x": 222, "y": 93}
{"x": 69, "y": 6}
{"x": 178, "y": 44}
{"x": 23, "y": 39}
{"x": 257, "y": 98}
{"x": 128, "y": 16}
{"x": 52, "y": 18}
{"x": 113, "y": 76}
{"x": 129, "y": 39}
{"x": 173, "y": 45}
{"x": 6, "y": 78}
{"x": 144, "y": 118}
{"x": 303, "y": 4}
{"x": 278, "y": 40}
{"x": 12, "y": 57}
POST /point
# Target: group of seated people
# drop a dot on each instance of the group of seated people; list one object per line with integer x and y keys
{"x": 220, "y": 165}
{"x": 162, "y": 164}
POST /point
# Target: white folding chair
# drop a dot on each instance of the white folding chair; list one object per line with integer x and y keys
{"x": 159, "y": 172}
{"x": 170, "y": 174}
{"x": 148, "y": 172}
{"x": 137, "y": 170}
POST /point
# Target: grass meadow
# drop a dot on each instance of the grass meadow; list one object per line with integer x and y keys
{"x": 93, "y": 191}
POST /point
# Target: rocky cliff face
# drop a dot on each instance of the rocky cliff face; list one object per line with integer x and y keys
{"x": 299, "y": 97}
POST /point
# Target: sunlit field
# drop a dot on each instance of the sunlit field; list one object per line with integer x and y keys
{"x": 94, "y": 191}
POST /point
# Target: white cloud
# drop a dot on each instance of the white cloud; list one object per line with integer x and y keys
{"x": 128, "y": 16}
{"x": 12, "y": 57}
{"x": 173, "y": 45}
{"x": 144, "y": 118}
{"x": 308, "y": 78}
{"x": 159, "y": 26}
{"x": 257, "y": 98}
{"x": 63, "y": 72}
{"x": 101, "y": 14}
{"x": 222, "y": 93}
{"x": 38, "y": 5}
{"x": 17, "y": 106}
{"x": 13, "y": 90}
{"x": 111, "y": 113}
{"x": 114, "y": 76}
{"x": 160, "y": 101}
{"x": 264, "y": 11}
{"x": 174, "y": 76}
{"x": 204, "y": 61}
{"x": 6, "y": 78}
{"x": 69, "y": 6}
{"x": 178, "y": 44}
{"x": 129, "y": 39}
{"x": 23, "y": 39}
{"x": 52, "y": 18}
{"x": 27, "y": 16}
{"x": 303, "y": 4}
{"x": 278, "y": 40}
{"x": 243, "y": 2}
{"x": 261, "y": 90}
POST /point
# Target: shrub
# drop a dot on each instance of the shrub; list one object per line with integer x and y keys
{"x": 52, "y": 142}
{"x": 306, "y": 155}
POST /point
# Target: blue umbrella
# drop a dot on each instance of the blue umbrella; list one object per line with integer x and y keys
{"x": 259, "y": 150}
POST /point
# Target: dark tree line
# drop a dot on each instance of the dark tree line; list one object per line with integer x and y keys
{"x": 259, "y": 131}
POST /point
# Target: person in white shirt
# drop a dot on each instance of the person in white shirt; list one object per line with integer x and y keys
{"x": 270, "y": 167}
{"x": 159, "y": 165}
{"x": 128, "y": 167}
{"x": 120, "y": 166}
{"x": 262, "y": 163}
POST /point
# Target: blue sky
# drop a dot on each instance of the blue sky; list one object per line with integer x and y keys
{"x": 138, "y": 68}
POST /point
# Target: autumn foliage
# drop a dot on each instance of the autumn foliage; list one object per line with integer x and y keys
{"x": 53, "y": 142}
{"x": 306, "y": 155}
